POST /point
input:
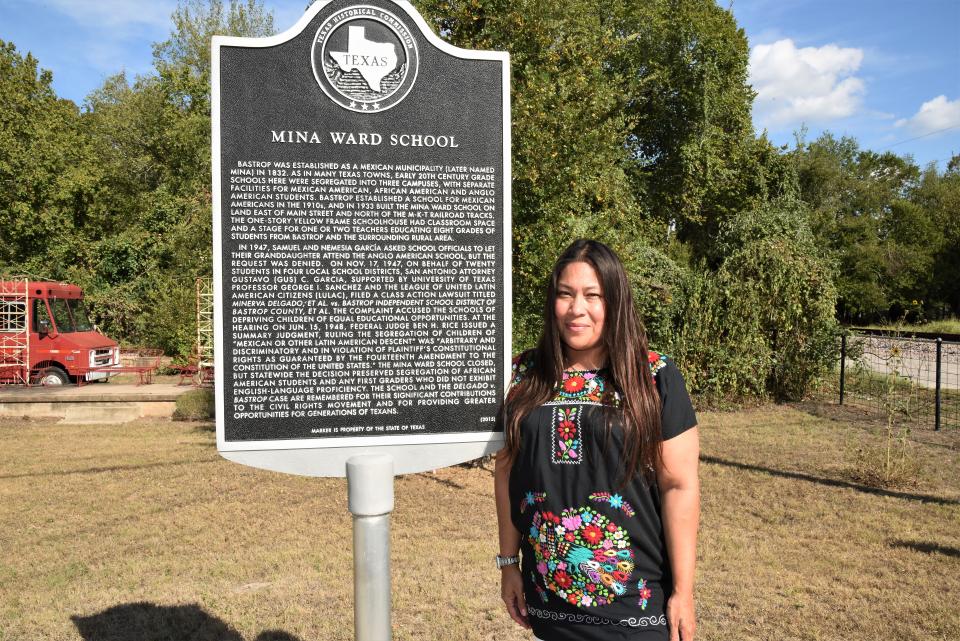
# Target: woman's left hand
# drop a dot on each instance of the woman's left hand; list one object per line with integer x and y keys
{"x": 681, "y": 619}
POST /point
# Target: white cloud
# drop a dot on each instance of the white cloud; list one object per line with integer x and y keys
{"x": 117, "y": 13}
{"x": 810, "y": 84}
{"x": 934, "y": 115}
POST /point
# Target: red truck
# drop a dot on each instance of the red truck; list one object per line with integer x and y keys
{"x": 46, "y": 336}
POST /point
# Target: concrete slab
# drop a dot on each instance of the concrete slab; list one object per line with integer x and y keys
{"x": 93, "y": 392}
{"x": 94, "y": 403}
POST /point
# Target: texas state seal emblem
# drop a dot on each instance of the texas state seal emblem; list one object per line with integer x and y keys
{"x": 365, "y": 58}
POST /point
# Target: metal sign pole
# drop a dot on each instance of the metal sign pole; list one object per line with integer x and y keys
{"x": 370, "y": 499}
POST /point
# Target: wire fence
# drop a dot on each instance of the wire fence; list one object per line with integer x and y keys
{"x": 915, "y": 378}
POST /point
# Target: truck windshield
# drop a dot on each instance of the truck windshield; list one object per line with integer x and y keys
{"x": 81, "y": 319}
{"x": 70, "y": 315}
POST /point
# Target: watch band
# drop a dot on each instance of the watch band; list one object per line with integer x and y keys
{"x": 504, "y": 561}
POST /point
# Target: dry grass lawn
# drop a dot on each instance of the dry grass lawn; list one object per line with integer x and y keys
{"x": 142, "y": 532}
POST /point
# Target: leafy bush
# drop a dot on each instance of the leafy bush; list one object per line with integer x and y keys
{"x": 195, "y": 405}
{"x": 762, "y": 323}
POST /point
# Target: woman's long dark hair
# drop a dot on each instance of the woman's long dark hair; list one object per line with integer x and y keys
{"x": 625, "y": 340}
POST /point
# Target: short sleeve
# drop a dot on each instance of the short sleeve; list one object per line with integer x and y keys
{"x": 518, "y": 370}
{"x": 521, "y": 365}
{"x": 676, "y": 410}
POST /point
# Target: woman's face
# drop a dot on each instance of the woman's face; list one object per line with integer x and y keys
{"x": 579, "y": 307}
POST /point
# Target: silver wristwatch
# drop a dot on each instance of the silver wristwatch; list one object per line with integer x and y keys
{"x": 504, "y": 561}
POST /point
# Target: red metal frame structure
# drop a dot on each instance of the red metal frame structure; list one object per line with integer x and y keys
{"x": 14, "y": 332}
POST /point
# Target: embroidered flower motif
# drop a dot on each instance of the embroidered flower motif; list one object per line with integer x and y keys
{"x": 593, "y": 534}
{"x": 577, "y": 560}
{"x": 540, "y": 591}
{"x": 530, "y": 499}
{"x": 645, "y": 594}
{"x": 574, "y": 384}
{"x": 566, "y": 429}
{"x": 615, "y": 501}
{"x": 586, "y": 386}
{"x": 566, "y": 446}
{"x": 657, "y": 361}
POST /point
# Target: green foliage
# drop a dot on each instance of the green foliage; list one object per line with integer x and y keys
{"x": 630, "y": 124}
{"x": 763, "y": 323}
{"x": 44, "y": 186}
{"x": 628, "y": 118}
{"x": 195, "y": 405}
{"x": 716, "y": 341}
{"x": 117, "y": 199}
{"x": 884, "y": 222}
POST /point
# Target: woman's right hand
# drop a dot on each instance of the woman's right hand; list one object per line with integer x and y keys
{"x": 511, "y": 590}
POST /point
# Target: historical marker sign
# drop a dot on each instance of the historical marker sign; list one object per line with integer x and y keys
{"x": 361, "y": 242}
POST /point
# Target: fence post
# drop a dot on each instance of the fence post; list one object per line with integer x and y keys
{"x": 843, "y": 360}
{"x": 936, "y": 411}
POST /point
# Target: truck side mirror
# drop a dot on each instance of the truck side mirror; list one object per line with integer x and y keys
{"x": 44, "y": 326}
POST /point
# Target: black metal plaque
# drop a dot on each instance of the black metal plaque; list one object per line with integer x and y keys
{"x": 361, "y": 232}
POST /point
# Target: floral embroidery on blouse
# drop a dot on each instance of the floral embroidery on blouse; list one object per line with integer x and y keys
{"x": 582, "y": 556}
{"x": 530, "y": 498}
{"x": 657, "y": 361}
{"x": 583, "y": 386}
{"x": 566, "y": 441}
{"x": 615, "y": 500}
{"x": 645, "y": 594}
{"x": 577, "y": 387}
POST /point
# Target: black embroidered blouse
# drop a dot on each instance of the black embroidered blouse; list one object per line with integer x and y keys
{"x": 594, "y": 559}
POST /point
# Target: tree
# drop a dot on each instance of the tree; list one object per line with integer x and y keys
{"x": 863, "y": 212}
{"x": 46, "y": 189}
{"x": 629, "y": 120}
{"x": 939, "y": 195}
{"x": 150, "y": 229}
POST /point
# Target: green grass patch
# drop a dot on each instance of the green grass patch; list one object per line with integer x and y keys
{"x": 144, "y": 531}
{"x": 945, "y": 326}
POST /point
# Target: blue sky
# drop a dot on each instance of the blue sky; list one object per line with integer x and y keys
{"x": 884, "y": 71}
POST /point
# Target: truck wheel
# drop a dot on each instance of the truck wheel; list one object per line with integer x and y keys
{"x": 52, "y": 376}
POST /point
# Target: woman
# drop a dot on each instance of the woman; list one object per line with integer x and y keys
{"x": 597, "y": 485}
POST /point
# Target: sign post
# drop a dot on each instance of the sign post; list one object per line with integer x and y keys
{"x": 370, "y": 497}
{"x": 361, "y": 203}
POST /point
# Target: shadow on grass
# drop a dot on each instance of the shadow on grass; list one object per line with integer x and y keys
{"x": 923, "y": 498}
{"x": 928, "y": 548}
{"x": 436, "y": 479}
{"x": 148, "y": 622}
{"x": 111, "y": 468}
